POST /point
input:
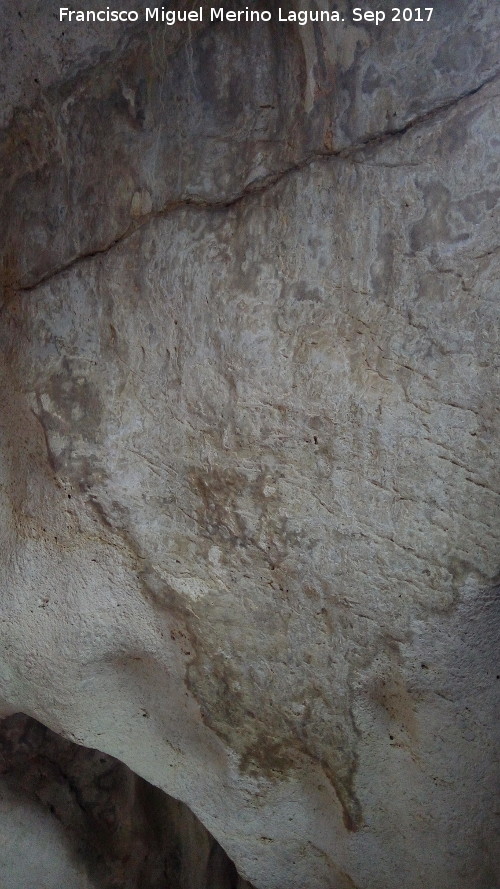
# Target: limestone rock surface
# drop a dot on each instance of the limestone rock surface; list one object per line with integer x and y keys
{"x": 250, "y": 434}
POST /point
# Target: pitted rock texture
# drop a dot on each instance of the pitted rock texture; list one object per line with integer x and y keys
{"x": 250, "y": 434}
{"x": 78, "y": 819}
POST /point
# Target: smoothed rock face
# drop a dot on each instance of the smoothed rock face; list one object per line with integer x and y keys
{"x": 250, "y": 429}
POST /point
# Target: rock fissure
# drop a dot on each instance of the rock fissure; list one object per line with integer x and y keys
{"x": 270, "y": 181}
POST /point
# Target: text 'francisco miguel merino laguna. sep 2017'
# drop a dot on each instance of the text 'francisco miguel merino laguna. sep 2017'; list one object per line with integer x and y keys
{"x": 158, "y": 14}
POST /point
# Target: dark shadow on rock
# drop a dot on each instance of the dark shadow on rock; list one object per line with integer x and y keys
{"x": 120, "y": 830}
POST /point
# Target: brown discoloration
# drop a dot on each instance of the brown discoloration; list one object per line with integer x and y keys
{"x": 236, "y": 510}
{"x": 259, "y": 727}
{"x": 393, "y": 695}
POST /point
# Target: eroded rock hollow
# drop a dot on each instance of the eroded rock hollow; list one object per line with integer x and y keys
{"x": 249, "y": 420}
{"x": 72, "y": 818}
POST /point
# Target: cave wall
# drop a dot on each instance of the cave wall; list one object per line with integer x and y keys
{"x": 249, "y": 432}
